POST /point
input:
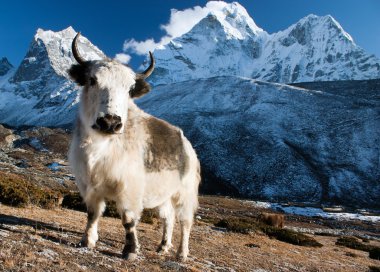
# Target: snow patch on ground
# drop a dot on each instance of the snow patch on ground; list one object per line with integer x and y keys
{"x": 315, "y": 212}
{"x": 35, "y": 143}
{"x": 55, "y": 166}
{"x": 308, "y": 211}
{"x": 48, "y": 253}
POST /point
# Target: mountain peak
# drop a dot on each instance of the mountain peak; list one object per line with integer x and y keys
{"x": 316, "y": 48}
{"x": 331, "y": 20}
{"x": 234, "y": 18}
{"x": 4, "y": 60}
{"x": 47, "y": 35}
{"x": 58, "y": 48}
{"x": 41, "y": 82}
{"x": 324, "y": 24}
{"x": 5, "y": 66}
{"x": 52, "y": 50}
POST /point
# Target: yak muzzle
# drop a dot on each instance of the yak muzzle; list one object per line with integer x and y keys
{"x": 108, "y": 124}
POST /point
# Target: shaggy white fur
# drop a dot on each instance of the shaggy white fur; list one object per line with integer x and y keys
{"x": 114, "y": 167}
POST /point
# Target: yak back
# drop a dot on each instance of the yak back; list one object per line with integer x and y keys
{"x": 165, "y": 147}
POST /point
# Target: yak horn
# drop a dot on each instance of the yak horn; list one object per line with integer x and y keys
{"x": 75, "y": 50}
{"x": 150, "y": 69}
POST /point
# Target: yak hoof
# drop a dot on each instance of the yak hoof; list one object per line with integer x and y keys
{"x": 130, "y": 256}
{"x": 163, "y": 249}
{"x": 86, "y": 243}
{"x": 181, "y": 257}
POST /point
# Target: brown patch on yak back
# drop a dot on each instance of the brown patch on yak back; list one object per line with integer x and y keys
{"x": 165, "y": 148}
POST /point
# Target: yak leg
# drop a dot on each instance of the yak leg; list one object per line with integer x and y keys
{"x": 168, "y": 215}
{"x": 131, "y": 248}
{"x": 183, "y": 249}
{"x": 185, "y": 213}
{"x": 95, "y": 208}
{"x": 186, "y": 205}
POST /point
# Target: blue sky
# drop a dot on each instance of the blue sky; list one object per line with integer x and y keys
{"x": 109, "y": 23}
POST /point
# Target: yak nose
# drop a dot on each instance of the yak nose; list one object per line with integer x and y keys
{"x": 108, "y": 123}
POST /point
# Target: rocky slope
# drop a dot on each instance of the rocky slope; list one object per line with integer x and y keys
{"x": 227, "y": 42}
{"x": 271, "y": 141}
{"x": 38, "y": 155}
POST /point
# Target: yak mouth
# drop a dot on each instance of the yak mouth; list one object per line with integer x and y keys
{"x": 108, "y": 123}
{"x": 108, "y": 131}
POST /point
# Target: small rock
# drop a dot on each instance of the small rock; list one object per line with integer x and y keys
{"x": 251, "y": 245}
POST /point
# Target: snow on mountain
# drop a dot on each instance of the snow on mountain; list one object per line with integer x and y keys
{"x": 222, "y": 43}
{"x": 5, "y": 66}
{"x": 225, "y": 42}
{"x": 315, "y": 49}
{"x": 228, "y": 42}
{"x": 40, "y": 85}
{"x": 255, "y": 139}
{"x": 280, "y": 143}
{"x": 235, "y": 20}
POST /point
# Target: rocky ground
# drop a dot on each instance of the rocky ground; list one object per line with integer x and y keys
{"x": 38, "y": 154}
{"x": 37, "y": 239}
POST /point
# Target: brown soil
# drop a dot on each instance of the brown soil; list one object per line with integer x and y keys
{"x": 35, "y": 239}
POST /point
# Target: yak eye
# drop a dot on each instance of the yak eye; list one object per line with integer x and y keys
{"x": 92, "y": 81}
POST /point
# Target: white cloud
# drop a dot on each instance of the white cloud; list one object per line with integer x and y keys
{"x": 123, "y": 58}
{"x": 180, "y": 22}
{"x": 139, "y": 48}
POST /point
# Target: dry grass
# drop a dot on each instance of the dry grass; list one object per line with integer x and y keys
{"x": 34, "y": 239}
{"x": 240, "y": 225}
{"x": 354, "y": 243}
{"x": 291, "y": 237}
{"x": 248, "y": 225}
{"x": 17, "y": 190}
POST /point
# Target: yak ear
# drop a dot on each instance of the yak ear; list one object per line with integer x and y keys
{"x": 141, "y": 87}
{"x": 79, "y": 73}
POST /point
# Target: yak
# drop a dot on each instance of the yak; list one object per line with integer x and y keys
{"x": 120, "y": 153}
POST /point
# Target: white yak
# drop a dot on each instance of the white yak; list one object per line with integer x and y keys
{"x": 120, "y": 153}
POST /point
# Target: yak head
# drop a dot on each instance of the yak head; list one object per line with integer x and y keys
{"x": 107, "y": 88}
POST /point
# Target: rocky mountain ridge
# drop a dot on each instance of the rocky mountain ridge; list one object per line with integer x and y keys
{"x": 227, "y": 42}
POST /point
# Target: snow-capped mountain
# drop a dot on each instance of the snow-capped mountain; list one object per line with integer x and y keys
{"x": 39, "y": 92}
{"x": 225, "y": 42}
{"x": 228, "y": 42}
{"x": 5, "y": 66}
{"x": 254, "y": 138}
{"x": 314, "y": 49}
{"x": 276, "y": 142}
